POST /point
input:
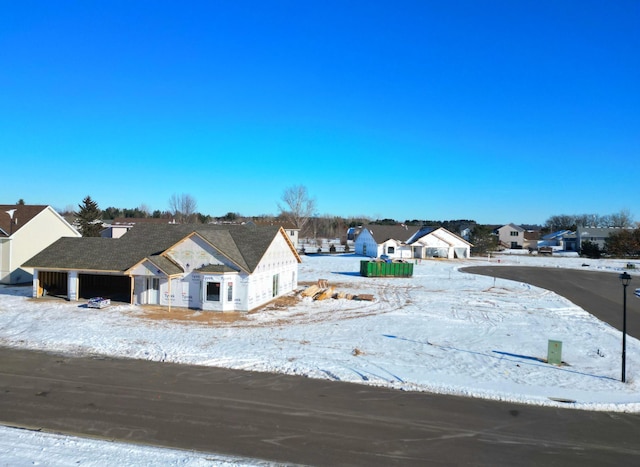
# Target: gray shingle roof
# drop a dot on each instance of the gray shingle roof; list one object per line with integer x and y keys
{"x": 382, "y": 233}
{"x": 242, "y": 245}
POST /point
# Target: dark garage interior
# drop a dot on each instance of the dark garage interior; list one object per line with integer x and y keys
{"x": 116, "y": 288}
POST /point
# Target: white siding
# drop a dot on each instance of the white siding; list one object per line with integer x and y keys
{"x": 366, "y": 245}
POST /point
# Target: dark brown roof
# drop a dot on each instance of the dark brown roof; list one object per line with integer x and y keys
{"x": 23, "y": 214}
{"x": 244, "y": 246}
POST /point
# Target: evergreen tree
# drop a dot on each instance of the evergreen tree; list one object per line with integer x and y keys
{"x": 88, "y": 216}
{"x": 590, "y": 250}
{"x": 483, "y": 240}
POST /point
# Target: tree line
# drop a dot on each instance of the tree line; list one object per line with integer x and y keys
{"x": 297, "y": 208}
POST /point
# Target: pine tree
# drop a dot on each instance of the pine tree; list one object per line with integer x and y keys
{"x": 89, "y": 218}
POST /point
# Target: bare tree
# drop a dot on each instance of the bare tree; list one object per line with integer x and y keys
{"x": 183, "y": 207}
{"x": 622, "y": 219}
{"x": 297, "y": 206}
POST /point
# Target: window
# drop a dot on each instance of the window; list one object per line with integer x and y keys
{"x": 391, "y": 250}
{"x": 276, "y": 280}
{"x": 514, "y": 233}
{"x": 230, "y": 291}
{"x": 213, "y": 291}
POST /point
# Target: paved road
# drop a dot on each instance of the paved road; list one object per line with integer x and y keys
{"x": 298, "y": 420}
{"x": 599, "y": 293}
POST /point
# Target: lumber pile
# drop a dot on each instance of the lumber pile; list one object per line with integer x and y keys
{"x": 322, "y": 290}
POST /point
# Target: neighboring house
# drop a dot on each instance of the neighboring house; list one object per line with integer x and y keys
{"x": 377, "y": 240}
{"x": 511, "y": 236}
{"x": 438, "y": 242}
{"x": 121, "y": 225}
{"x": 595, "y": 235}
{"x": 24, "y": 231}
{"x": 405, "y": 242}
{"x": 564, "y": 240}
{"x": 209, "y": 267}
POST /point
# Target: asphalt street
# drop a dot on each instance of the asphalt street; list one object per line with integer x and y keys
{"x": 296, "y": 420}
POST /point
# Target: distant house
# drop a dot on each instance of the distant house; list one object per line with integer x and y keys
{"x": 515, "y": 237}
{"x": 596, "y": 235}
{"x": 511, "y": 236}
{"x": 121, "y": 225}
{"x": 564, "y": 240}
{"x": 377, "y": 240}
{"x": 438, "y": 242}
{"x": 406, "y": 242}
{"x": 24, "y": 231}
{"x": 208, "y": 267}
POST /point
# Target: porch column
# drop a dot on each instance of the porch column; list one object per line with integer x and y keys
{"x": 72, "y": 286}
{"x": 36, "y": 284}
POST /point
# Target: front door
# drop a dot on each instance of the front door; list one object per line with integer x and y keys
{"x": 153, "y": 291}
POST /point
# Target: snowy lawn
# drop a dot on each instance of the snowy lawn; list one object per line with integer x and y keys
{"x": 441, "y": 331}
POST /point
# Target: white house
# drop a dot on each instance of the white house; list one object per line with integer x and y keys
{"x": 406, "y": 242}
{"x": 207, "y": 267}
{"x": 377, "y": 240}
{"x": 438, "y": 242}
{"x": 24, "y": 231}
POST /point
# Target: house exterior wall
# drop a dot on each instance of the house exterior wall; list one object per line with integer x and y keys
{"x": 441, "y": 244}
{"x": 37, "y": 234}
{"x": 366, "y": 245}
{"x": 293, "y": 235}
{"x": 511, "y": 236}
{"x": 596, "y": 235}
{"x": 5, "y": 260}
{"x": 275, "y": 275}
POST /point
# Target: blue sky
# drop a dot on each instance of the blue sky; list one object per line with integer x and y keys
{"x": 496, "y": 111}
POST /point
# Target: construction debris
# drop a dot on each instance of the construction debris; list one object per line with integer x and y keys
{"x": 322, "y": 291}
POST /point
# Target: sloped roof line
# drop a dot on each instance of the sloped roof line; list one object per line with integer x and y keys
{"x": 382, "y": 233}
{"x": 22, "y": 215}
{"x": 434, "y": 232}
{"x": 224, "y": 252}
{"x": 242, "y": 246}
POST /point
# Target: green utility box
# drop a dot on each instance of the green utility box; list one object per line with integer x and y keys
{"x": 554, "y": 353}
{"x": 385, "y": 269}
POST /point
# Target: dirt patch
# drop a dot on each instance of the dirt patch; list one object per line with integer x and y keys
{"x": 186, "y": 315}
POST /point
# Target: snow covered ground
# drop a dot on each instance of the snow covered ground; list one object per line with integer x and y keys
{"x": 441, "y": 331}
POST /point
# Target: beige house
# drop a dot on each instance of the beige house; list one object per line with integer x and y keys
{"x": 25, "y": 230}
{"x": 511, "y": 236}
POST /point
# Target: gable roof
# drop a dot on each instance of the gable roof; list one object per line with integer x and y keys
{"x": 382, "y": 233}
{"x": 244, "y": 246}
{"x": 513, "y": 226}
{"x": 426, "y": 231}
{"x": 22, "y": 215}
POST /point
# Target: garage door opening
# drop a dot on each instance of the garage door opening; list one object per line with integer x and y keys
{"x": 116, "y": 288}
{"x": 52, "y": 284}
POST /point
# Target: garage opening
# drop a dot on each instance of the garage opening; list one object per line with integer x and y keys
{"x": 116, "y": 288}
{"x": 52, "y": 283}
